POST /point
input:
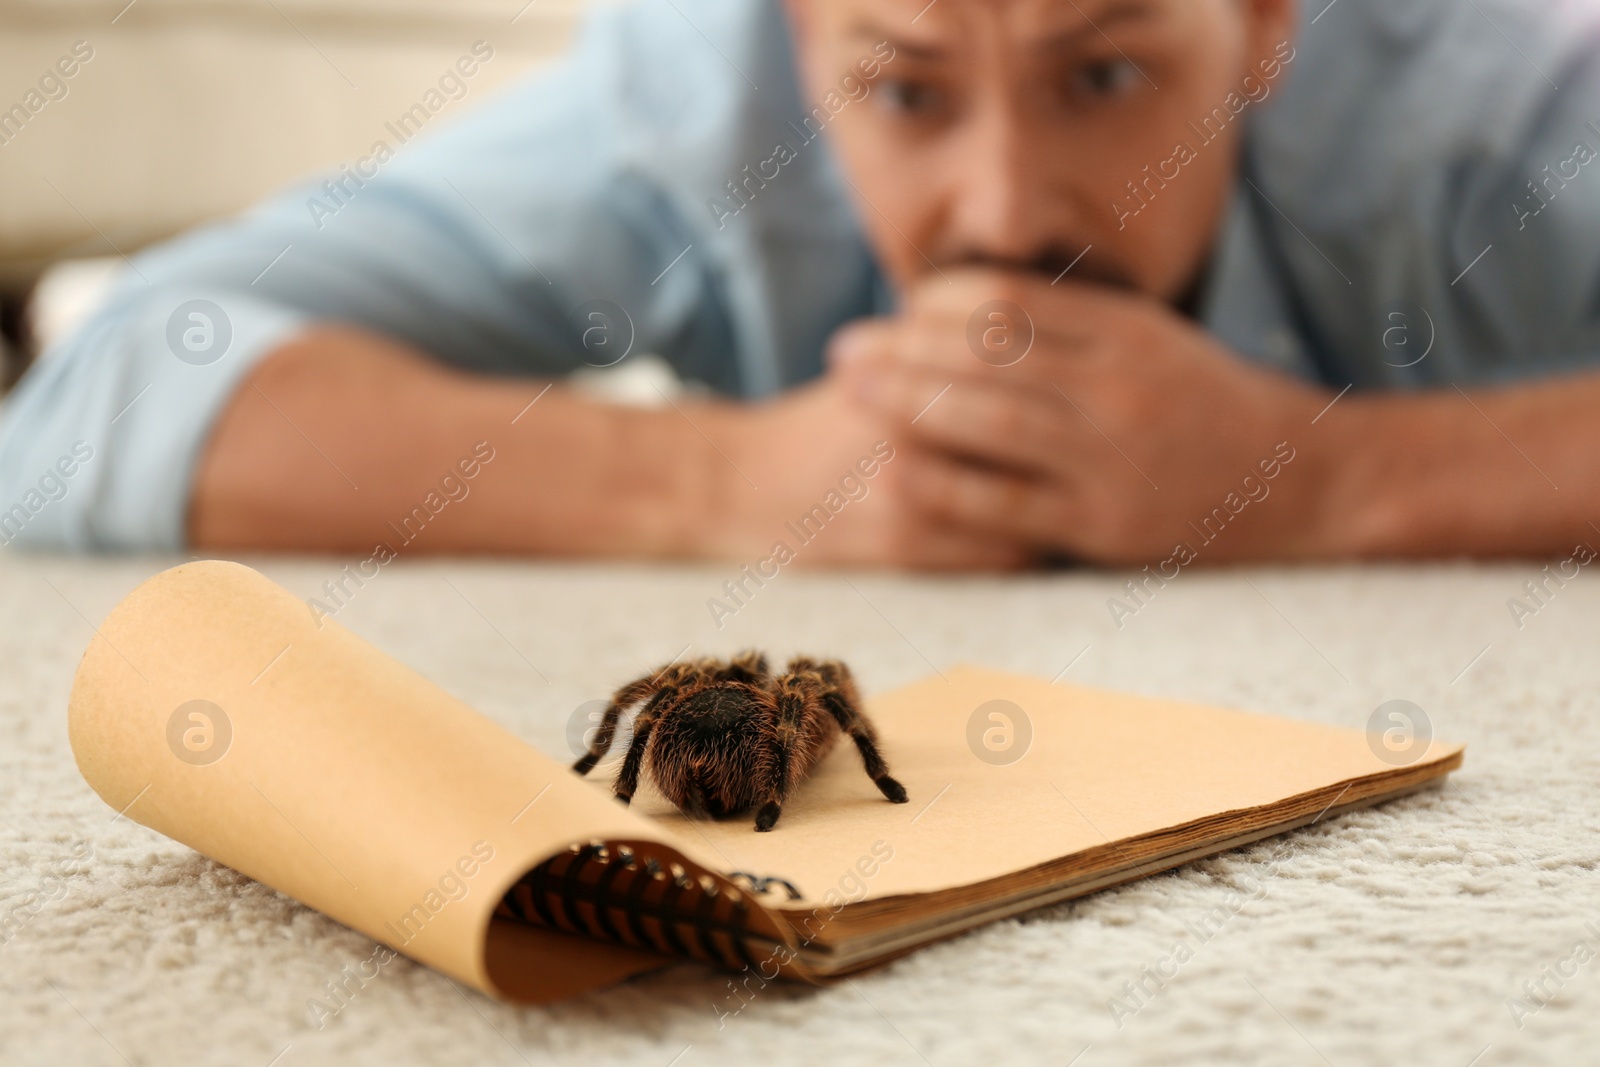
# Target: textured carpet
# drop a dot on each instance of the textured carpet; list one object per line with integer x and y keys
{"x": 1455, "y": 927}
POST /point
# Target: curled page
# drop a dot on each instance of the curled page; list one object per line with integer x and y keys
{"x": 213, "y": 707}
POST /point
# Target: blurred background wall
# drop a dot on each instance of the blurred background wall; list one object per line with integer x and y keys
{"x": 177, "y": 111}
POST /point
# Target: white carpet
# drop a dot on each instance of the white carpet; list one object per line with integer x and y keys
{"x": 1395, "y": 935}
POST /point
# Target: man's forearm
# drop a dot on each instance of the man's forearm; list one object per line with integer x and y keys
{"x": 1477, "y": 472}
{"x": 340, "y": 436}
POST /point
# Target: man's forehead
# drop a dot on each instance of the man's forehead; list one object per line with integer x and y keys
{"x": 918, "y": 25}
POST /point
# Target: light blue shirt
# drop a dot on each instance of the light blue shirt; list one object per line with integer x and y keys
{"x": 1387, "y": 174}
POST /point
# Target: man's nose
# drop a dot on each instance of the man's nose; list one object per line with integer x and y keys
{"x": 1002, "y": 203}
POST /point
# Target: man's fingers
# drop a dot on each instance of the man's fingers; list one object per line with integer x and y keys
{"x": 997, "y": 345}
{"x": 960, "y": 293}
{"x": 872, "y": 343}
{"x": 1024, "y": 424}
{"x": 934, "y": 546}
{"x": 861, "y": 342}
{"x": 991, "y": 501}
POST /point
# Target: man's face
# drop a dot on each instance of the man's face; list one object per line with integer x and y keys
{"x": 1006, "y": 133}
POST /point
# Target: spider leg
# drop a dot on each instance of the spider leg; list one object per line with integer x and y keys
{"x": 788, "y": 711}
{"x": 748, "y": 666}
{"x": 840, "y": 698}
{"x": 672, "y": 675}
{"x": 627, "y": 782}
{"x": 623, "y": 699}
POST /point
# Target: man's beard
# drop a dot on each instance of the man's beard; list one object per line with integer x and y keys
{"x": 1050, "y": 264}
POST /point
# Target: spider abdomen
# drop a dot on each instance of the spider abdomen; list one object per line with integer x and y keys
{"x": 712, "y": 757}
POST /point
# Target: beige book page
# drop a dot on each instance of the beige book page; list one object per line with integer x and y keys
{"x": 1006, "y": 772}
{"x": 214, "y": 707}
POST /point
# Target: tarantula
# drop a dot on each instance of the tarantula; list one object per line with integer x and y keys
{"x": 724, "y": 736}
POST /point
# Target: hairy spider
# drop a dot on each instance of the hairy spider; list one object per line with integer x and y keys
{"x": 723, "y": 736}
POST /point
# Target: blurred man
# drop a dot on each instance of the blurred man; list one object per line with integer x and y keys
{"x": 971, "y": 283}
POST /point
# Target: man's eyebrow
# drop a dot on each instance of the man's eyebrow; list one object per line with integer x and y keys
{"x": 866, "y": 29}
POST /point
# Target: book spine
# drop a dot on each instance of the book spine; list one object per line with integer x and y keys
{"x": 613, "y": 893}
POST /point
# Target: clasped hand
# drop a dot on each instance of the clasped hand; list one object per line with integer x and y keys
{"x": 1076, "y": 420}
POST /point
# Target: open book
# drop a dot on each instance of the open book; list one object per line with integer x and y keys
{"x": 214, "y": 707}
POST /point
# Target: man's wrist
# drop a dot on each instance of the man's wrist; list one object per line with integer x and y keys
{"x": 725, "y": 520}
{"x": 665, "y": 478}
{"x": 1404, "y": 477}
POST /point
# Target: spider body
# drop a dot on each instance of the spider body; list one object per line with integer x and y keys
{"x": 722, "y": 737}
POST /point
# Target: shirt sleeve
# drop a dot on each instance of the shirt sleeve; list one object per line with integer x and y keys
{"x": 492, "y": 243}
{"x": 1534, "y": 219}
{"x": 98, "y": 446}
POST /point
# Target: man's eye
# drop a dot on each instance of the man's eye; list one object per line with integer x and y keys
{"x": 908, "y": 97}
{"x": 1111, "y": 77}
